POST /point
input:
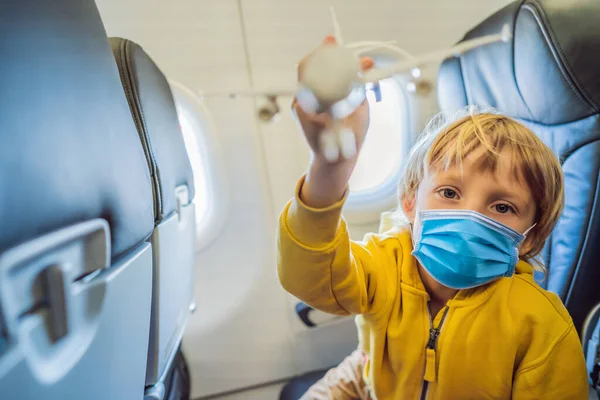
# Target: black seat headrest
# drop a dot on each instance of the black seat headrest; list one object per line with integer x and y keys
{"x": 547, "y": 73}
{"x": 153, "y": 109}
{"x": 69, "y": 150}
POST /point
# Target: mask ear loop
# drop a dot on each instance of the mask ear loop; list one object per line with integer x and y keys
{"x": 524, "y": 235}
{"x": 529, "y": 229}
{"x": 415, "y": 227}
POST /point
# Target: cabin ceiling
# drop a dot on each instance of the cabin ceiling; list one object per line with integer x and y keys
{"x": 215, "y": 45}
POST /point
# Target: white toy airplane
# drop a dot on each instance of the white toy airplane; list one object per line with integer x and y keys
{"x": 332, "y": 82}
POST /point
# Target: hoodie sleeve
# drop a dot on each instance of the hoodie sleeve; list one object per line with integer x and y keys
{"x": 320, "y": 265}
{"x": 560, "y": 374}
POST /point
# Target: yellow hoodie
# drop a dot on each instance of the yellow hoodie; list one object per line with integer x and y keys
{"x": 507, "y": 339}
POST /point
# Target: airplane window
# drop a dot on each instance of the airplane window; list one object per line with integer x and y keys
{"x": 374, "y": 181}
{"x": 380, "y": 156}
{"x": 204, "y": 154}
{"x": 191, "y": 131}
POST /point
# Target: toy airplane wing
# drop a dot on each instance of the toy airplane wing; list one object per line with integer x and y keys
{"x": 252, "y": 93}
{"x": 439, "y": 55}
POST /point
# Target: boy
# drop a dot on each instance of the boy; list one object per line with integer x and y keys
{"x": 447, "y": 305}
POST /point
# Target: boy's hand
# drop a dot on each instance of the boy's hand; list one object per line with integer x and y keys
{"x": 326, "y": 182}
{"x": 314, "y": 124}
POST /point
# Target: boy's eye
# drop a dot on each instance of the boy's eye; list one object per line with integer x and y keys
{"x": 449, "y": 193}
{"x": 502, "y": 208}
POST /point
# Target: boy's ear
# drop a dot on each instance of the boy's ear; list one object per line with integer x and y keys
{"x": 408, "y": 206}
{"x": 527, "y": 244}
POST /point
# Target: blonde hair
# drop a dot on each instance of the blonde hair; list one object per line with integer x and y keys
{"x": 448, "y": 141}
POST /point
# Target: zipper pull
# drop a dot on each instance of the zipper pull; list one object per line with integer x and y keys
{"x": 433, "y": 335}
{"x": 430, "y": 356}
{"x": 430, "y": 374}
{"x": 429, "y": 365}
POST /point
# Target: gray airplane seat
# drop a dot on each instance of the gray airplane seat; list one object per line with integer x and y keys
{"x": 76, "y": 211}
{"x": 173, "y": 239}
{"x": 548, "y": 77}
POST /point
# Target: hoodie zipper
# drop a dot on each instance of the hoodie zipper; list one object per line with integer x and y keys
{"x": 434, "y": 332}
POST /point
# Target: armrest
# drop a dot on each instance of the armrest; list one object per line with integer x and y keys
{"x": 313, "y": 318}
{"x": 590, "y": 339}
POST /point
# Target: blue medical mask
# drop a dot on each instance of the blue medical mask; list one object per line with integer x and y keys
{"x": 462, "y": 249}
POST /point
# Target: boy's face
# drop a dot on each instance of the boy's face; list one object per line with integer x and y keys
{"x": 497, "y": 194}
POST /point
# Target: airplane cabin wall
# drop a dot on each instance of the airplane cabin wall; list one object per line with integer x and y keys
{"x": 244, "y": 331}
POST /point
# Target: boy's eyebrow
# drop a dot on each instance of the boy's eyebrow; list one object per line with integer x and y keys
{"x": 506, "y": 194}
{"x": 450, "y": 177}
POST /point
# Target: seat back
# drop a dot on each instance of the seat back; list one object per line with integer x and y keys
{"x": 548, "y": 77}
{"x": 76, "y": 211}
{"x": 173, "y": 240}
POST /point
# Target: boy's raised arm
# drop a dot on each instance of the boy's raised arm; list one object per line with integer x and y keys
{"x": 319, "y": 264}
{"x": 316, "y": 260}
